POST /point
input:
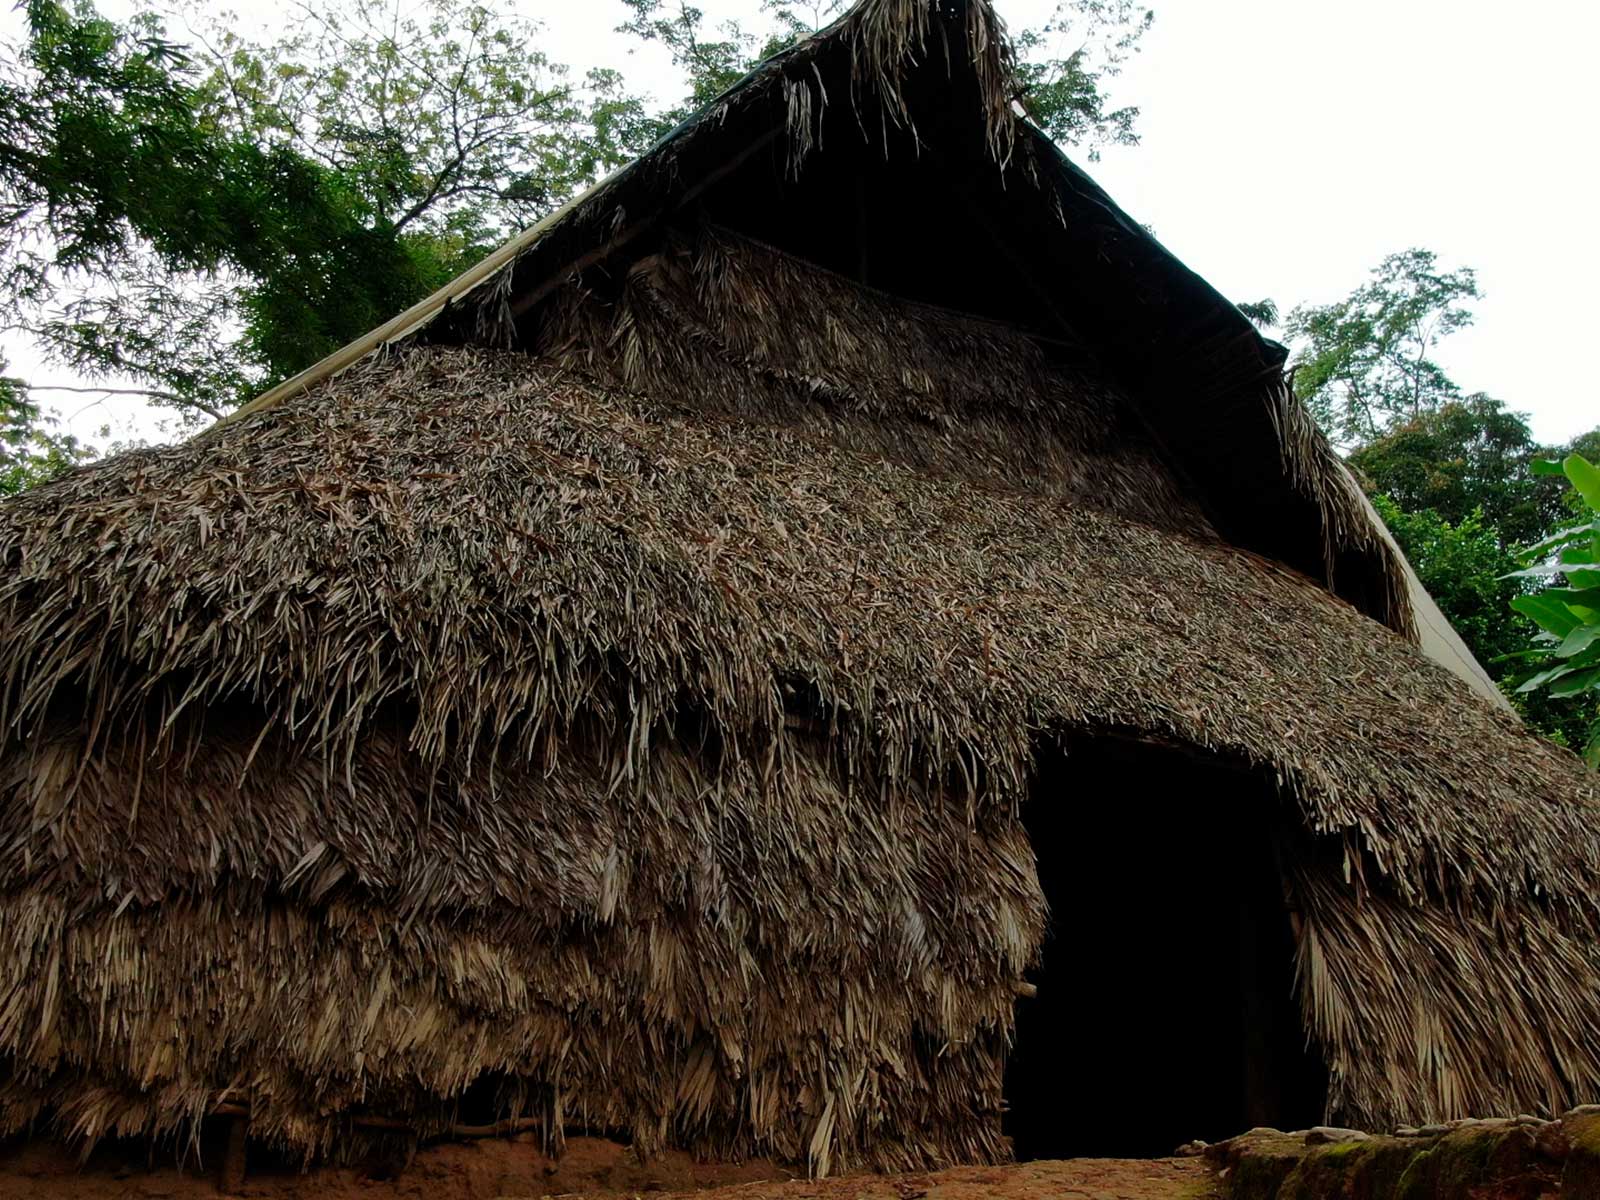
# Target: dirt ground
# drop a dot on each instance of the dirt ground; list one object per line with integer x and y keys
{"x": 490, "y": 1169}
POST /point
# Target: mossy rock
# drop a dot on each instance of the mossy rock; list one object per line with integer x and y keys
{"x": 1384, "y": 1166}
{"x": 1459, "y": 1166}
{"x": 1326, "y": 1172}
{"x": 1254, "y": 1165}
{"x": 1370, "y": 1170}
{"x": 1469, "y": 1158}
{"x": 1582, "y": 1174}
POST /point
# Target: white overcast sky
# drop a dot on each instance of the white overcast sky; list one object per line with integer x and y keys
{"x": 1288, "y": 145}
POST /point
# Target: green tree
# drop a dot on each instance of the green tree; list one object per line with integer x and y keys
{"x": 1447, "y": 471}
{"x": 31, "y": 452}
{"x": 1366, "y": 362}
{"x": 1564, "y": 660}
{"x": 1066, "y": 95}
{"x": 209, "y": 219}
{"x": 1466, "y": 569}
{"x": 712, "y": 59}
{"x": 1468, "y": 454}
{"x": 1586, "y": 444}
{"x": 1471, "y": 574}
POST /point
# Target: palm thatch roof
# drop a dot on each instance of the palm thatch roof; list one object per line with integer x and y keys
{"x": 914, "y": 101}
{"x": 634, "y": 718}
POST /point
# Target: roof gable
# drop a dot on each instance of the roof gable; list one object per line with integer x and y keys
{"x": 887, "y": 146}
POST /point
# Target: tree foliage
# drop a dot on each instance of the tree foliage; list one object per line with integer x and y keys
{"x": 209, "y": 219}
{"x": 1470, "y": 454}
{"x": 1067, "y": 94}
{"x": 103, "y": 162}
{"x": 1564, "y": 660}
{"x": 1466, "y": 569}
{"x": 1367, "y": 361}
{"x": 714, "y": 58}
{"x": 31, "y": 451}
{"x": 1469, "y": 571}
{"x": 1447, "y": 470}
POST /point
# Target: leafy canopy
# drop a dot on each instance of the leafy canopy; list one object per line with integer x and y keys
{"x": 1465, "y": 569}
{"x": 1470, "y": 574}
{"x": 210, "y": 219}
{"x": 1367, "y": 361}
{"x": 1468, "y": 454}
{"x": 1447, "y": 470}
{"x": 30, "y": 451}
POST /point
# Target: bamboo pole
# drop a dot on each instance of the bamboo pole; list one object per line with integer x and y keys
{"x": 612, "y": 245}
{"x": 425, "y": 310}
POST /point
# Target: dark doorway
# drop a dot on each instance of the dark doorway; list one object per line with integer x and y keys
{"x": 1165, "y": 1008}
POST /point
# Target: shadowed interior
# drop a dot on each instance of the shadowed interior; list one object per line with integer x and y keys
{"x": 1166, "y": 1007}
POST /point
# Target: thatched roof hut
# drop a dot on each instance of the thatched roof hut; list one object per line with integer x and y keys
{"x": 656, "y": 686}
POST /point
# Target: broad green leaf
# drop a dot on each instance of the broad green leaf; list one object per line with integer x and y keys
{"x": 1585, "y": 476}
{"x": 1575, "y": 597}
{"x": 1580, "y": 639}
{"x": 1545, "y": 466}
{"x": 1535, "y": 682}
{"x": 1563, "y": 537}
{"x": 1542, "y": 571}
{"x": 1550, "y": 614}
{"x": 1577, "y": 682}
{"x": 1568, "y": 615}
{"x": 1540, "y": 654}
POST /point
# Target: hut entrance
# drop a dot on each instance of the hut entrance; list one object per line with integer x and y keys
{"x": 1165, "y": 1008}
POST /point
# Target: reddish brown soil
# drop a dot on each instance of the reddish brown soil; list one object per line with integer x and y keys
{"x": 490, "y": 1169}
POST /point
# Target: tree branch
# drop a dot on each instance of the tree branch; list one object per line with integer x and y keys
{"x": 148, "y": 393}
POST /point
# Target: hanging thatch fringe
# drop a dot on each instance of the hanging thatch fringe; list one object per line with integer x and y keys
{"x": 1347, "y": 523}
{"x": 888, "y": 38}
{"x": 657, "y": 963}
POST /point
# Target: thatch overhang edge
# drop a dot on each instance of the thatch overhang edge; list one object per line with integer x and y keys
{"x": 70, "y": 626}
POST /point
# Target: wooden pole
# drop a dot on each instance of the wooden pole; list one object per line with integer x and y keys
{"x": 240, "y": 1114}
{"x": 532, "y": 297}
{"x": 230, "y": 1180}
